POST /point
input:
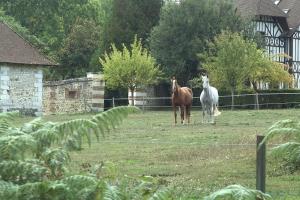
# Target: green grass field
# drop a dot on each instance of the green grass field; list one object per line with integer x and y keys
{"x": 194, "y": 159}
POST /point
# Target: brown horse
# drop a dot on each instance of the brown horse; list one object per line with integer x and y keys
{"x": 182, "y": 97}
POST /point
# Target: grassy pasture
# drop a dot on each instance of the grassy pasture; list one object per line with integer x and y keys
{"x": 195, "y": 159}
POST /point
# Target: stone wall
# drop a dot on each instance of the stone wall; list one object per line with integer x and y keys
{"x": 21, "y": 89}
{"x": 74, "y": 95}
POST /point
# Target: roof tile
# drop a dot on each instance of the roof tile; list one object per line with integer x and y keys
{"x": 14, "y": 49}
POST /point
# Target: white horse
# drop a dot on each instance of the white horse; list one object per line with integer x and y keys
{"x": 209, "y": 100}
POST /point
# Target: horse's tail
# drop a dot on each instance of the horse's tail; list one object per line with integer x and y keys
{"x": 217, "y": 112}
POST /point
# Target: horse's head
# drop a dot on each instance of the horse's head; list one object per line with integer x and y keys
{"x": 205, "y": 81}
{"x": 174, "y": 84}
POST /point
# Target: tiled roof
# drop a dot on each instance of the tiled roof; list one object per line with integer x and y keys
{"x": 293, "y": 7}
{"x": 14, "y": 49}
{"x": 258, "y": 8}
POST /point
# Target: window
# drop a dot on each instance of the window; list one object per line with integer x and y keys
{"x": 71, "y": 94}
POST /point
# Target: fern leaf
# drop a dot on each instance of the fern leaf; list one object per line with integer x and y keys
{"x": 237, "y": 192}
{"x": 32, "y": 125}
{"x": 162, "y": 194}
{"x": 56, "y": 159}
{"x": 283, "y": 128}
{"x": 81, "y": 187}
{"x": 72, "y": 131}
{"x": 289, "y": 153}
{"x": 22, "y": 172}
{"x": 8, "y": 190}
{"x": 6, "y": 120}
{"x": 14, "y": 147}
{"x": 111, "y": 193}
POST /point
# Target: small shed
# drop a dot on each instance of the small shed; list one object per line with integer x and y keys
{"x": 21, "y": 74}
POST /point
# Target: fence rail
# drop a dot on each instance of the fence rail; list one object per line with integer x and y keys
{"x": 249, "y": 101}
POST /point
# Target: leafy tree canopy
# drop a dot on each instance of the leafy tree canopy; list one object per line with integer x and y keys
{"x": 79, "y": 47}
{"x": 233, "y": 60}
{"x": 131, "y": 69}
{"x": 184, "y": 30}
{"x": 129, "y": 18}
{"x": 56, "y": 22}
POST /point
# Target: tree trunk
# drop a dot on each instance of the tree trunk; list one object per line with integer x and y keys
{"x": 132, "y": 96}
{"x": 256, "y": 106}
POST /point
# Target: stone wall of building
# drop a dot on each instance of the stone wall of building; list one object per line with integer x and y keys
{"x": 74, "y": 95}
{"x": 21, "y": 89}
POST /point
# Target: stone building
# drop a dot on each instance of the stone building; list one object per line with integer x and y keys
{"x": 21, "y": 75}
{"x": 74, "y": 95}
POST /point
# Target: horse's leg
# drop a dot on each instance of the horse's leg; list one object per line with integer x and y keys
{"x": 188, "y": 110}
{"x": 182, "y": 111}
{"x": 203, "y": 113}
{"x": 209, "y": 113}
{"x": 185, "y": 114}
{"x": 175, "y": 114}
{"x": 213, "y": 113}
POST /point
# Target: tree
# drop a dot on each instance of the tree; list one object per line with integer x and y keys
{"x": 57, "y": 22}
{"x": 79, "y": 47}
{"x": 183, "y": 31}
{"x": 129, "y": 18}
{"x": 129, "y": 69}
{"x": 233, "y": 60}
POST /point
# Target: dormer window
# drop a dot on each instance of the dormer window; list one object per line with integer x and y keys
{"x": 277, "y": 2}
{"x": 285, "y": 10}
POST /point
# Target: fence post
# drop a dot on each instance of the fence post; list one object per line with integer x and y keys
{"x": 113, "y": 102}
{"x": 143, "y": 104}
{"x": 260, "y": 164}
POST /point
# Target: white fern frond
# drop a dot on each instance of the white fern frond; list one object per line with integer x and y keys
{"x": 237, "y": 192}
{"x": 72, "y": 131}
{"x": 111, "y": 193}
{"x": 33, "y": 125}
{"x": 287, "y": 128}
{"x": 284, "y": 124}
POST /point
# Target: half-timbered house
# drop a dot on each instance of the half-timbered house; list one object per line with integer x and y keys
{"x": 279, "y": 23}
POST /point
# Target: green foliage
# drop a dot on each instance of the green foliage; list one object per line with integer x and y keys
{"x": 233, "y": 62}
{"x": 233, "y": 59}
{"x": 289, "y": 152}
{"x": 80, "y": 44}
{"x": 237, "y": 192}
{"x": 183, "y": 31}
{"x": 21, "y": 172}
{"x": 33, "y": 160}
{"x": 131, "y": 69}
{"x": 61, "y": 31}
{"x": 127, "y": 19}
